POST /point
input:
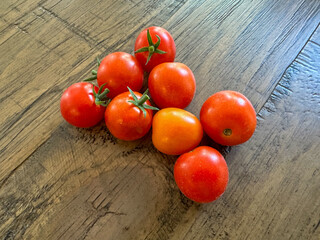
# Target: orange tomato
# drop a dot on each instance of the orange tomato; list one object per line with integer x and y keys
{"x": 175, "y": 131}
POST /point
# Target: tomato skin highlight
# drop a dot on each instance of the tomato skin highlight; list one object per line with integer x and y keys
{"x": 166, "y": 44}
{"x": 77, "y": 106}
{"x": 126, "y": 121}
{"x": 175, "y": 131}
{"x": 172, "y": 85}
{"x": 202, "y": 175}
{"x": 120, "y": 70}
{"x": 228, "y": 117}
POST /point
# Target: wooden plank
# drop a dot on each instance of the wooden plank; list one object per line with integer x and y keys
{"x": 225, "y": 9}
{"x": 57, "y": 41}
{"x": 37, "y": 39}
{"x": 228, "y": 44}
{"x": 113, "y": 24}
{"x": 3, "y": 25}
{"x": 315, "y": 38}
{"x": 274, "y": 187}
{"x": 95, "y": 173}
{"x": 12, "y": 11}
{"x": 242, "y": 45}
{"x": 42, "y": 59}
{"x": 86, "y": 184}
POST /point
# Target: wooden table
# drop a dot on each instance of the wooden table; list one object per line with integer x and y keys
{"x": 61, "y": 182}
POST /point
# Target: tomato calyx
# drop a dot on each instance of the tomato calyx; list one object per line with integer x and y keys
{"x": 140, "y": 103}
{"x": 227, "y": 132}
{"x": 152, "y": 48}
{"x": 101, "y": 96}
{"x": 93, "y": 72}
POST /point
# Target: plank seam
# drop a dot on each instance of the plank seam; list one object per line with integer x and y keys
{"x": 22, "y": 16}
{"x": 73, "y": 29}
{"x": 284, "y": 72}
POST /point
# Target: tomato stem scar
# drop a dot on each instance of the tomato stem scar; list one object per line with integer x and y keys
{"x": 227, "y": 132}
{"x": 151, "y": 49}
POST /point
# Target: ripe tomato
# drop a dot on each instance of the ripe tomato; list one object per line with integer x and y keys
{"x": 172, "y": 85}
{"x": 153, "y": 46}
{"x": 78, "y": 105}
{"x": 228, "y": 117}
{"x": 129, "y": 115}
{"x": 202, "y": 174}
{"x": 120, "y": 70}
{"x": 175, "y": 131}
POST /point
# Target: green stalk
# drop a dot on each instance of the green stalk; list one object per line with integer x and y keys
{"x": 140, "y": 103}
{"x": 152, "y": 48}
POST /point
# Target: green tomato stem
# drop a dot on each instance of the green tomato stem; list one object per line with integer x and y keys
{"x": 140, "y": 103}
{"x": 101, "y": 96}
{"x": 152, "y": 48}
{"x": 90, "y": 79}
{"x": 143, "y": 99}
{"x": 98, "y": 61}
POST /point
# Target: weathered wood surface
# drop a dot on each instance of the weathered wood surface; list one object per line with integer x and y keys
{"x": 60, "y": 182}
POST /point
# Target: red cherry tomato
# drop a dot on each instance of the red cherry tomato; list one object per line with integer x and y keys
{"x": 172, "y": 85}
{"x": 78, "y": 107}
{"x": 129, "y": 116}
{"x": 202, "y": 174}
{"x": 228, "y": 117}
{"x": 120, "y": 70}
{"x": 175, "y": 131}
{"x": 158, "y": 47}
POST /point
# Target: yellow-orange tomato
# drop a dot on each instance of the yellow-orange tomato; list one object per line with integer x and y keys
{"x": 176, "y": 131}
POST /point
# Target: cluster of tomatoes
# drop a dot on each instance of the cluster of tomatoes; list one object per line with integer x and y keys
{"x": 227, "y": 117}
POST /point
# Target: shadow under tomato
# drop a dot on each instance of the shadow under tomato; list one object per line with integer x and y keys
{"x": 207, "y": 141}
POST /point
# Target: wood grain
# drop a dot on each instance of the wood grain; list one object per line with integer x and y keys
{"x": 61, "y": 182}
{"x": 42, "y": 37}
{"x": 274, "y": 187}
{"x": 45, "y": 59}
